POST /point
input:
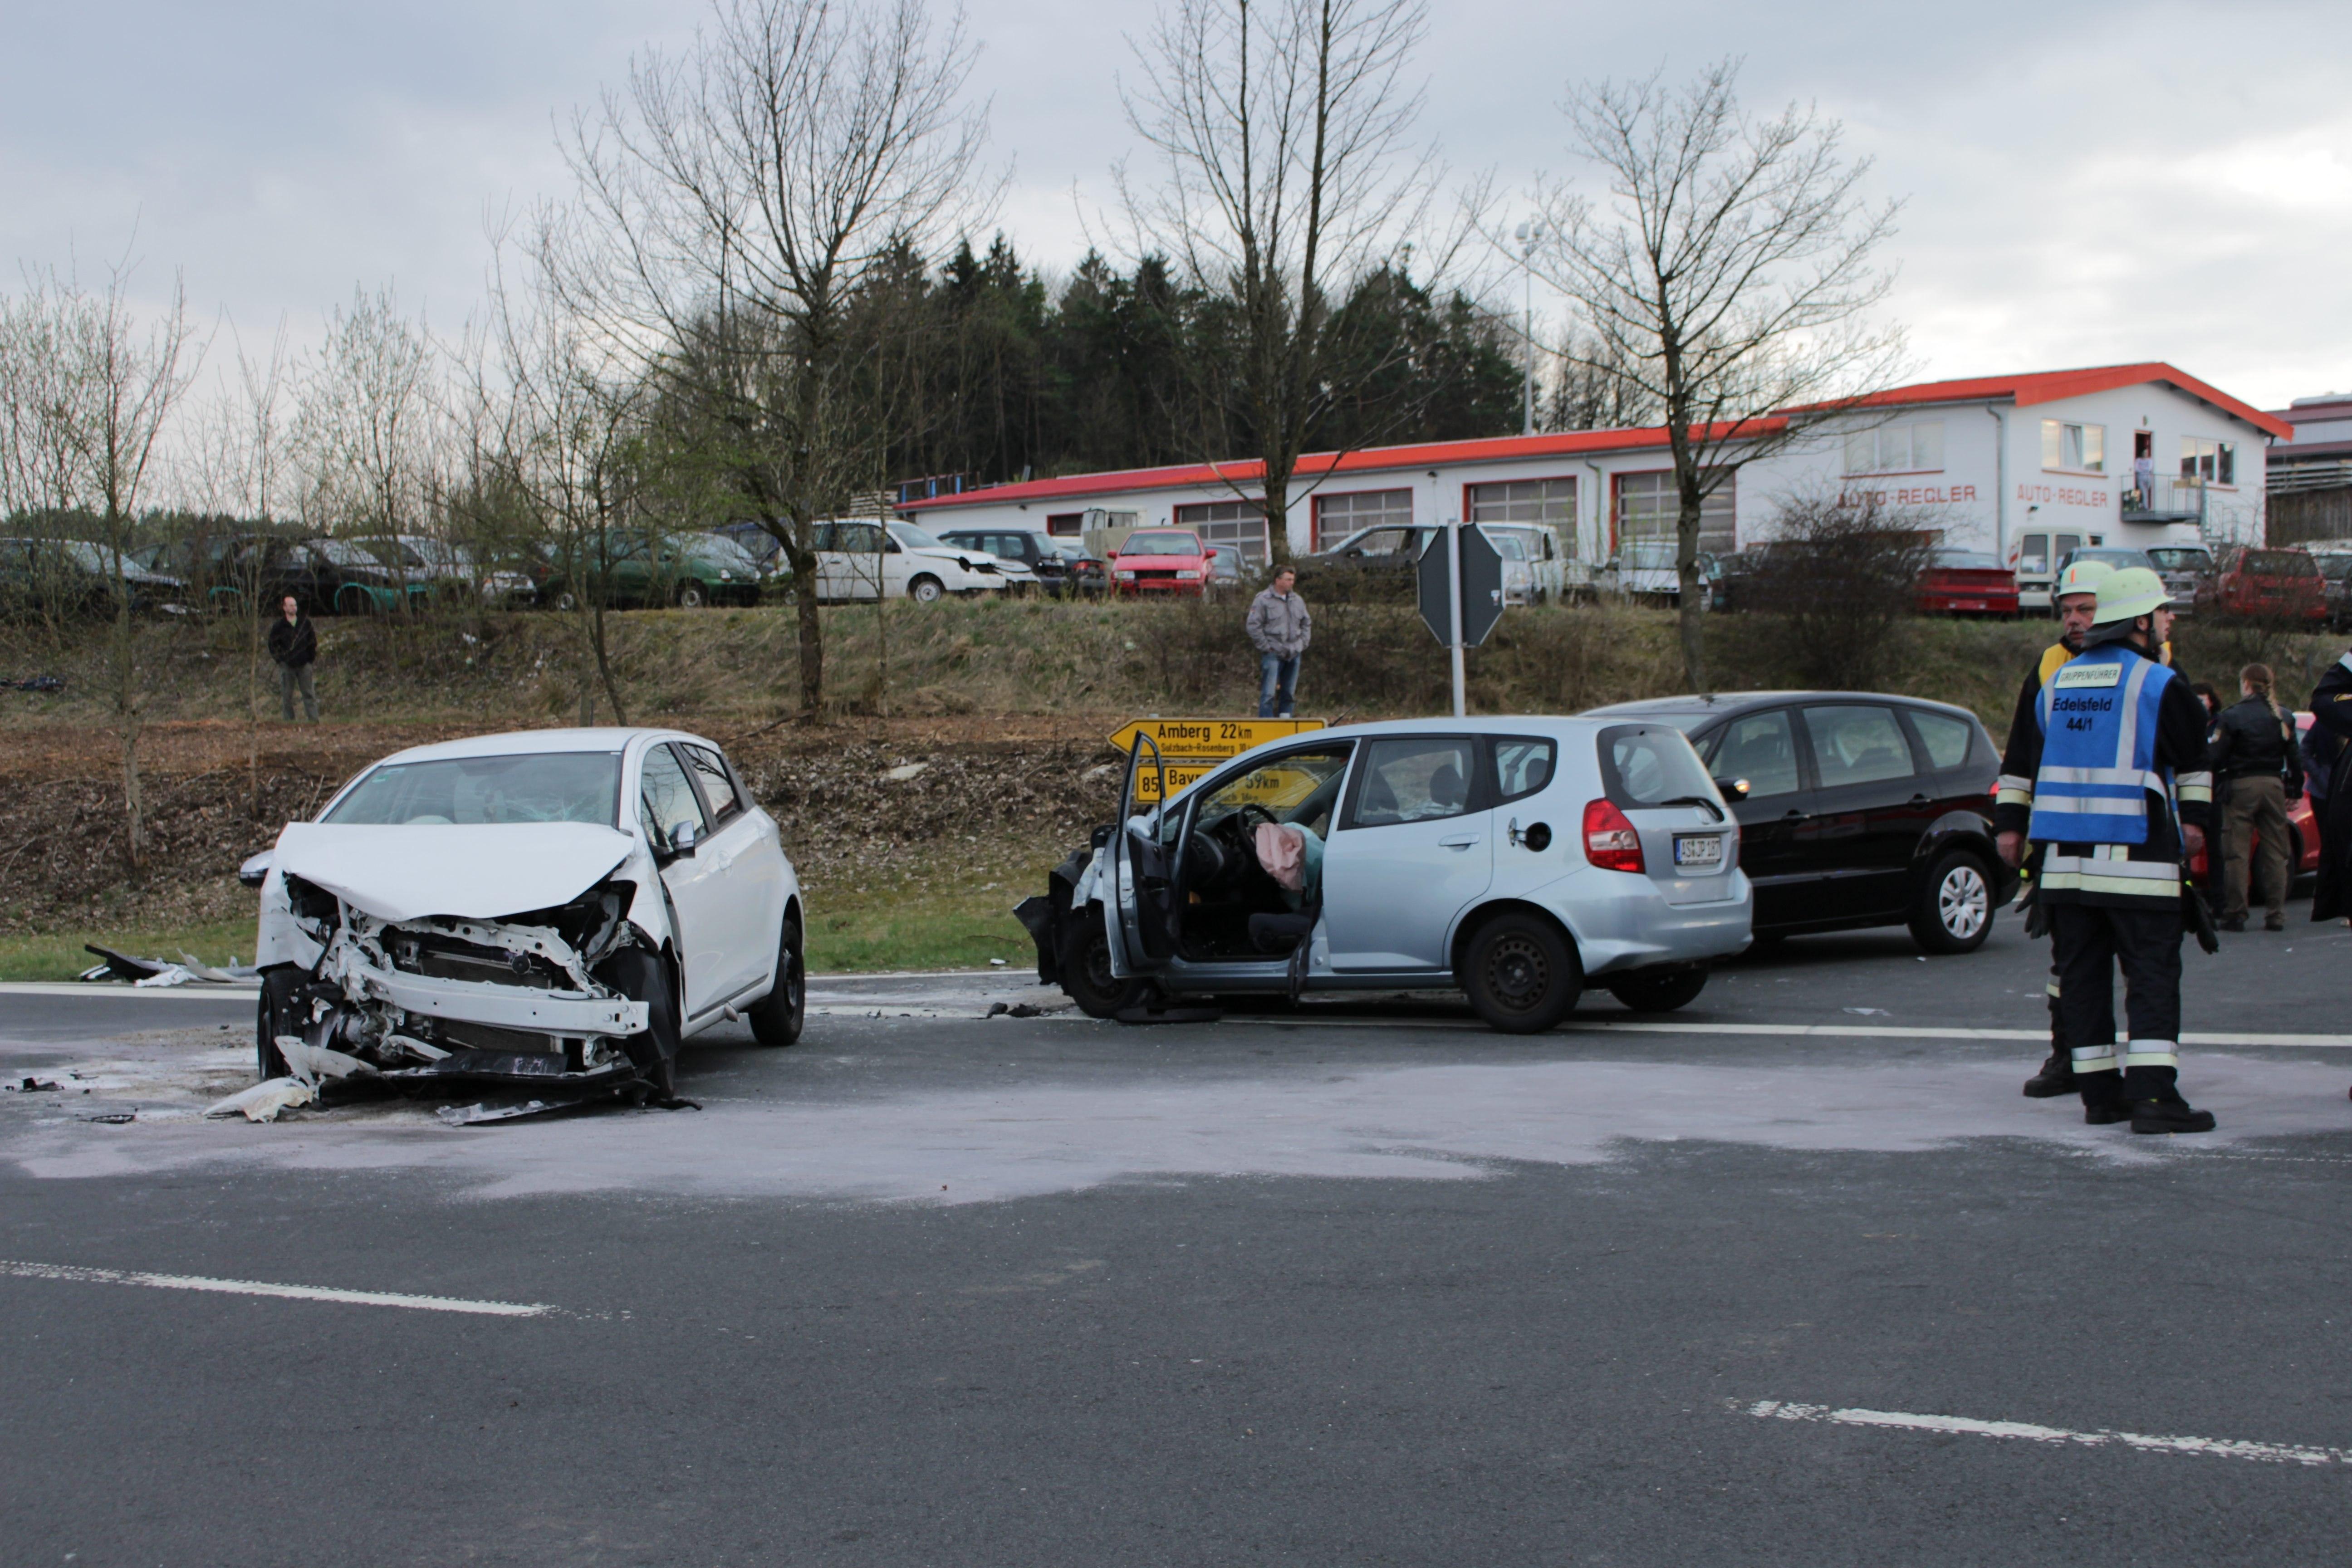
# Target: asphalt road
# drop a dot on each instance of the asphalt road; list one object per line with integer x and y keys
{"x": 1359, "y": 1285}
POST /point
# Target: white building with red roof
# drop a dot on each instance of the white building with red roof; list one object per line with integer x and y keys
{"x": 2020, "y": 466}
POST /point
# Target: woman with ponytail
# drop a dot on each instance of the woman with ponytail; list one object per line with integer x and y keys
{"x": 2257, "y": 769}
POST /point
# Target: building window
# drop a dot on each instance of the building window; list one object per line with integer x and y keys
{"x": 1550, "y": 503}
{"x": 1648, "y": 507}
{"x": 2204, "y": 462}
{"x": 2073, "y": 448}
{"x": 1336, "y": 517}
{"x": 1238, "y": 523}
{"x": 1917, "y": 447}
{"x": 1066, "y": 524}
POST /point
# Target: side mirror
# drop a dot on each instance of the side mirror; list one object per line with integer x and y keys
{"x": 683, "y": 837}
{"x": 255, "y": 870}
{"x": 1733, "y": 789}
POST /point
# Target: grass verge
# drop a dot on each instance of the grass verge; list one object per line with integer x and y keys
{"x": 60, "y": 955}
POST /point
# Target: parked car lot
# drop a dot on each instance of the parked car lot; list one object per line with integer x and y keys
{"x": 1966, "y": 583}
{"x": 861, "y": 561}
{"x": 77, "y": 577}
{"x": 553, "y": 909}
{"x": 636, "y": 571}
{"x": 1861, "y": 809}
{"x": 1519, "y": 858}
{"x": 2269, "y": 584}
{"x": 1171, "y": 561}
{"x": 1056, "y": 565}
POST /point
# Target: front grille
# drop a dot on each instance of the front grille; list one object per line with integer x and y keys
{"x": 444, "y": 958}
{"x": 489, "y": 1037}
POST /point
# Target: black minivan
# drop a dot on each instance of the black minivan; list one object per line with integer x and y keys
{"x": 1861, "y": 809}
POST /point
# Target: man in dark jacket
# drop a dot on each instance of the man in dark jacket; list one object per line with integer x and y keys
{"x": 2257, "y": 769}
{"x": 2120, "y": 797}
{"x": 2331, "y": 729}
{"x": 2077, "y": 598}
{"x": 294, "y": 647}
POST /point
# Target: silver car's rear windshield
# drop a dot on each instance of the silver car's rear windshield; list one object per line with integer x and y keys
{"x": 1652, "y": 767}
{"x": 550, "y": 786}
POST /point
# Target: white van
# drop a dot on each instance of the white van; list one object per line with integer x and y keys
{"x": 858, "y": 560}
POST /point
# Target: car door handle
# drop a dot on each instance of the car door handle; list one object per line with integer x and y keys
{"x": 1459, "y": 841}
{"x": 1791, "y": 814}
{"x": 1918, "y": 800}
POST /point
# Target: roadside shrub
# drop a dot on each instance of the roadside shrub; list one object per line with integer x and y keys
{"x": 1835, "y": 593}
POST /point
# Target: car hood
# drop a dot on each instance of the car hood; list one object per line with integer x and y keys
{"x": 473, "y": 871}
{"x": 1156, "y": 561}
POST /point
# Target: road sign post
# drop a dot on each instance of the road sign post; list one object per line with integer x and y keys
{"x": 1460, "y": 619}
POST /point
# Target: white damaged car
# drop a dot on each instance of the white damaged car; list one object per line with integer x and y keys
{"x": 550, "y": 909}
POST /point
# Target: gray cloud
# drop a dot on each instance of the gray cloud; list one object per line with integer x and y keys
{"x": 2087, "y": 181}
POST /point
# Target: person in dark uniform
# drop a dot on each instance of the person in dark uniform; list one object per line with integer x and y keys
{"x": 2077, "y": 598}
{"x": 2121, "y": 796}
{"x": 2328, "y": 752}
{"x": 2257, "y": 770}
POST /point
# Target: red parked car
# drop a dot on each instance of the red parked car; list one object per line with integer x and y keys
{"x": 1160, "y": 561}
{"x": 1966, "y": 583}
{"x": 2271, "y": 585}
{"x": 2302, "y": 852}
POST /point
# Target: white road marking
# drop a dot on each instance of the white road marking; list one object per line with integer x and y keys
{"x": 238, "y": 991}
{"x": 261, "y": 1287}
{"x": 1906, "y": 1032}
{"x": 2218, "y": 1447}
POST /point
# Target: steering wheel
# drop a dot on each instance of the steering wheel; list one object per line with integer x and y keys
{"x": 1249, "y": 829}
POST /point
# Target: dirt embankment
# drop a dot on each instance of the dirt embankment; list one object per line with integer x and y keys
{"x": 982, "y": 787}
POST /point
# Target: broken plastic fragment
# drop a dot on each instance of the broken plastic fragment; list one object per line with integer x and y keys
{"x": 265, "y": 1099}
{"x": 170, "y": 974}
{"x": 198, "y": 969}
{"x": 313, "y": 1063}
{"x": 416, "y": 1047}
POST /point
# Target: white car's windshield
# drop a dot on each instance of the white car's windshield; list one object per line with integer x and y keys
{"x": 551, "y": 787}
{"x": 914, "y": 538}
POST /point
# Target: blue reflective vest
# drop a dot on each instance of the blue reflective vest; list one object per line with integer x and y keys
{"x": 2098, "y": 747}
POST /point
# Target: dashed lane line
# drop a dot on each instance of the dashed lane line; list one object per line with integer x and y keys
{"x": 73, "y": 1273}
{"x": 1900, "y": 1420}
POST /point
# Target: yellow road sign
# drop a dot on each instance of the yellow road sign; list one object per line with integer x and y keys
{"x": 1275, "y": 788}
{"x": 1213, "y": 739}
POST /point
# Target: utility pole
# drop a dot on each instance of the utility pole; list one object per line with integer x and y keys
{"x": 1528, "y": 234}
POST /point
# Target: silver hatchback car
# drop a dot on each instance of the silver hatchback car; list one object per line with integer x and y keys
{"x": 1519, "y": 859}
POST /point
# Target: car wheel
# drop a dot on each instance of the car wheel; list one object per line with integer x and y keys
{"x": 690, "y": 597}
{"x": 1521, "y": 973}
{"x": 1954, "y": 911}
{"x": 926, "y": 590}
{"x": 1085, "y": 964}
{"x": 566, "y": 601}
{"x": 272, "y": 1017}
{"x": 1659, "y": 990}
{"x": 776, "y": 1018}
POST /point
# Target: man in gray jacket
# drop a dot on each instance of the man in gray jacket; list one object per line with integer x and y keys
{"x": 1279, "y": 626}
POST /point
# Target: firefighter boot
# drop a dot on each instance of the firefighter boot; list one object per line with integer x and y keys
{"x": 2102, "y": 1099}
{"x": 2156, "y": 1105}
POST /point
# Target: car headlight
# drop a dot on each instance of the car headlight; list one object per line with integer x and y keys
{"x": 724, "y": 574}
{"x": 1125, "y": 576}
{"x": 1187, "y": 576}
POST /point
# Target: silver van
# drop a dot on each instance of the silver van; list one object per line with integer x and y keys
{"x": 1519, "y": 860}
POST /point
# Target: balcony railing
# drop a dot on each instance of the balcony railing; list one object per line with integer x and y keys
{"x": 2163, "y": 499}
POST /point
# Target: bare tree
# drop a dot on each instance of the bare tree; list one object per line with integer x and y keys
{"x": 1282, "y": 128}
{"x": 570, "y": 419}
{"x": 367, "y": 427}
{"x": 731, "y": 201}
{"x": 130, "y": 380}
{"x": 1729, "y": 273}
{"x": 242, "y": 456}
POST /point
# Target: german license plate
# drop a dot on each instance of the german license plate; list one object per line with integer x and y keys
{"x": 1698, "y": 849}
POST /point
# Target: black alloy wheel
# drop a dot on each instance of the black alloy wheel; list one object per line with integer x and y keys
{"x": 1659, "y": 990}
{"x": 1521, "y": 973}
{"x": 1952, "y": 908}
{"x": 1085, "y": 962}
{"x": 777, "y": 1017}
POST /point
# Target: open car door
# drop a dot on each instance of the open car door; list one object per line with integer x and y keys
{"x": 1141, "y": 873}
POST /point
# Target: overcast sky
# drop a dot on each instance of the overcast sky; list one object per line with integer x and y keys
{"x": 2086, "y": 183}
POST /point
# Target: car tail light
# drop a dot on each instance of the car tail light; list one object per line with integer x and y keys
{"x": 1610, "y": 841}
